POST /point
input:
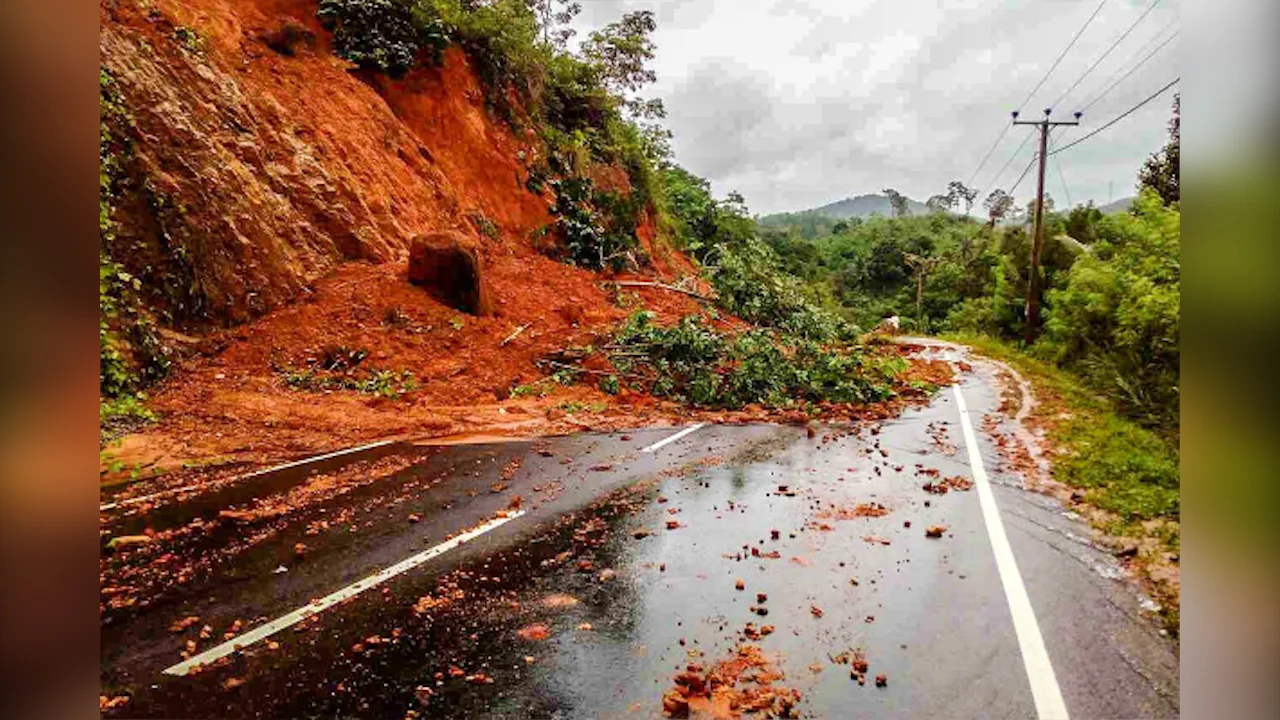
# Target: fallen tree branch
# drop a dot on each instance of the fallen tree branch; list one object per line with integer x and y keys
{"x": 663, "y": 286}
{"x": 516, "y": 334}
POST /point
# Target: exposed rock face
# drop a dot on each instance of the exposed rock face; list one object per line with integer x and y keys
{"x": 448, "y": 266}
{"x": 259, "y": 162}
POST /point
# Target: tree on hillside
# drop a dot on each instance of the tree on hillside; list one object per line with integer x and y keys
{"x": 1116, "y": 317}
{"x": 997, "y": 204}
{"x": 897, "y": 202}
{"x": 960, "y": 194}
{"x": 555, "y": 16}
{"x": 1048, "y": 206}
{"x": 621, "y": 51}
{"x": 1160, "y": 173}
{"x": 938, "y": 203}
{"x": 922, "y": 266}
{"x": 1082, "y": 223}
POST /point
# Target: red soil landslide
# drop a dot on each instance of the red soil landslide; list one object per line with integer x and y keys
{"x": 302, "y": 183}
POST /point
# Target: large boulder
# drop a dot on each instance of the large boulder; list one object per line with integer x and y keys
{"x": 447, "y": 265}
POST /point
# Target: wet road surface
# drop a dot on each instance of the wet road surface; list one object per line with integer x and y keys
{"x": 622, "y": 564}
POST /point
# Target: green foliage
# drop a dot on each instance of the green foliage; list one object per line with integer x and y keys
{"x": 1116, "y": 318}
{"x": 131, "y": 354}
{"x": 124, "y": 409}
{"x": 337, "y": 367}
{"x": 597, "y": 226}
{"x": 702, "y": 226}
{"x": 1112, "y": 299}
{"x": 620, "y": 52}
{"x": 189, "y": 39}
{"x": 692, "y": 362}
{"x": 382, "y": 383}
{"x": 483, "y": 224}
{"x": 869, "y": 272}
{"x": 575, "y": 102}
{"x": 610, "y": 384}
{"x": 1128, "y": 470}
{"x": 1161, "y": 172}
{"x": 382, "y": 35}
{"x": 751, "y": 285}
{"x": 1082, "y": 223}
{"x": 898, "y": 202}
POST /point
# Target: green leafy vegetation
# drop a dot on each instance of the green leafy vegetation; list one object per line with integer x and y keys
{"x": 1115, "y": 317}
{"x": 131, "y": 354}
{"x": 1161, "y": 171}
{"x": 542, "y": 387}
{"x": 382, "y": 35}
{"x": 1112, "y": 281}
{"x": 693, "y": 362}
{"x": 1127, "y": 469}
{"x": 583, "y": 105}
{"x": 338, "y": 367}
{"x": 383, "y": 383}
{"x": 751, "y": 279}
{"x": 188, "y": 39}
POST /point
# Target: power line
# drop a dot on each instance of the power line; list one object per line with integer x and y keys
{"x": 1063, "y": 180}
{"x": 1064, "y": 130}
{"x": 1140, "y": 52}
{"x": 1104, "y": 55}
{"x": 1000, "y": 173}
{"x": 1064, "y": 54}
{"x": 1005, "y": 130}
{"x": 1025, "y": 170}
{"x": 1119, "y": 117}
{"x": 1132, "y": 70}
{"x": 987, "y": 157}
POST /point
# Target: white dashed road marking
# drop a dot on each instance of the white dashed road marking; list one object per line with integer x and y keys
{"x": 671, "y": 439}
{"x": 350, "y": 591}
{"x": 1044, "y": 684}
{"x": 173, "y": 491}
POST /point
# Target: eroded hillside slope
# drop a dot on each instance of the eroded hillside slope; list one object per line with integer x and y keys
{"x": 253, "y": 177}
{"x": 260, "y": 171}
{"x": 260, "y": 198}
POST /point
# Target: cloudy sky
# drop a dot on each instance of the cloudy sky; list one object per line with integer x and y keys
{"x": 797, "y": 103}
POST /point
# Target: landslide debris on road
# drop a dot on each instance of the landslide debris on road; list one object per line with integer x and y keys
{"x": 741, "y": 684}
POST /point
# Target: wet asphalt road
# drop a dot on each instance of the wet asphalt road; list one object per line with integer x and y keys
{"x": 627, "y": 602}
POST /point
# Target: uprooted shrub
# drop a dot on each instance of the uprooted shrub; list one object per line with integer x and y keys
{"x": 693, "y": 362}
{"x": 752, "y": 286}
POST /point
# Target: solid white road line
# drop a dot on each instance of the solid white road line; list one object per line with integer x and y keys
{"x": 1044, "y": 684}
{"x": 337, "y": 453}
{"x": 350, "y": 591}
{"x": 671, "y": 439}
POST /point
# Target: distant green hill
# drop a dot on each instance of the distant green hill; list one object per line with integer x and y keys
{"x": 818, "y": 221}
{"x": 862, "y": 206}
{"x": 1121, "y": 205}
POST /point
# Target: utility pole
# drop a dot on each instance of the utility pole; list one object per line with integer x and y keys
{"x": 1037, "y": 242}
